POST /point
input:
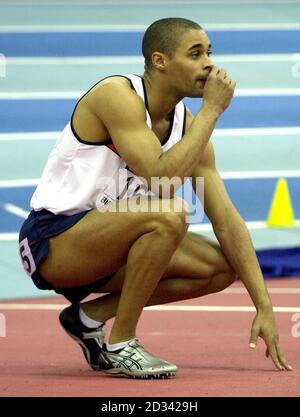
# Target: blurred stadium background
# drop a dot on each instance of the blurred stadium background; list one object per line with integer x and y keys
{"x": 53, "y": 51}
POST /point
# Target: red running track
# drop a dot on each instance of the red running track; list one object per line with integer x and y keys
{"x": 210, "y": 348}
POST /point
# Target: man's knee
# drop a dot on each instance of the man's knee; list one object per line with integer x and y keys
{"x": 182, "y": 207}
{"x": 179, "y": 210}
{"x": 173, "y": 217}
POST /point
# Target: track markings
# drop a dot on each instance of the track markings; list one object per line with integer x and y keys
{"x": 244, "y": 309}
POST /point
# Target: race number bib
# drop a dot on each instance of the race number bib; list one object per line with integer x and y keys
{"x": 26, "y": 257}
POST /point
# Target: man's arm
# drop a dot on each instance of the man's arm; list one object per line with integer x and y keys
{"x": 236, "y": 244}
{"x": 123, "y": 113}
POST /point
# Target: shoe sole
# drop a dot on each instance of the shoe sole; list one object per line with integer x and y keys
{"x": 161, "y": 375}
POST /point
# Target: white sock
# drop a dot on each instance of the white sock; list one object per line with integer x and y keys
{"x": 87, "y": 321}
{"x": 117, "y": 346}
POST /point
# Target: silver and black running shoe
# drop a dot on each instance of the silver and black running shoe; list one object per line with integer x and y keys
{"x": 90, "y": 340}
{"x": 134, "y": 361}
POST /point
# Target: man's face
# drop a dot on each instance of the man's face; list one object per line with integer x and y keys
{"x": 191, "y": 63}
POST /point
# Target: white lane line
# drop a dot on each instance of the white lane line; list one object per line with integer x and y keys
{"x": 19, "y": 183}
{"x": 141, "y": 28}
{"x": 81, "y": 28}
{"x": 13, "y": 209}
{"x": 238, "y": 175}
{"x": 261, "y": 131}
{"x": 9, "y": 236}
{"x": 271, "y": 290}
{"x": 196, "y": 228}
{"x": 251, "y": 225}
{"x": 256, "y": 58}
{"x": 235, "y": 175}
{"x": 246, "y": 309}
{"x": 119, "y": 3}
{"x": 56, "y": 95}
{"x": 266, "y": 92}
{"x": 44, "y": 95}
{"x": 256, "y": 131}
{"x": 75, "y": 60}
{"x": 109, "y": 60}
{"x": 31, "y": 136}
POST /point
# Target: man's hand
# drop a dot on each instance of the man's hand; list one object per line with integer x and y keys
{"x": 218, "y": 90}
{"x": 264, "y": 326}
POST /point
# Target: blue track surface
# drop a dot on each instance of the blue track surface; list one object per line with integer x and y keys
{"x": 129, "y": 43}
{"x": 251, "y": 197}
{"x": 49, "y": 115}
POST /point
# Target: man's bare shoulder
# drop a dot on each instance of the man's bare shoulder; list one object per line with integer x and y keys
{"x": 115, "y": 94}
{"x": 113, "y": 81}
{"x": 113, "y": 86}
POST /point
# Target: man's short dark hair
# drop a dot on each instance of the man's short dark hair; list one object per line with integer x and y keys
{"x": 163, "y": 36}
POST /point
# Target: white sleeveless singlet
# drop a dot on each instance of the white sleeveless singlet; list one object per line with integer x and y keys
{"x": 81, "y": 175}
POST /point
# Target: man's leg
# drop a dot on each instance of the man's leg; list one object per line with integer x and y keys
{"x": 203, "y": 269}
{"x": 197, "y": 268}
{"x": 104, "y": 241}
